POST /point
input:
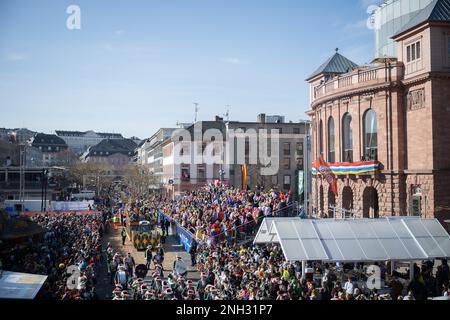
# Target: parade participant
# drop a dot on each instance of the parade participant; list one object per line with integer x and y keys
{"x": 148, "y": 256}
{"x": 121, "y": 277}
{"x": 160, "y": 252}
{"x": 180, "y": 267}
{"x": 193, "y": 253}
{"x": 129, "y": 264}
{"x": 124, "y": 235}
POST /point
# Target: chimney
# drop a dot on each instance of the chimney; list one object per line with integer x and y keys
{"x": 261, "y": 118}
{"x": 218, "y": 119}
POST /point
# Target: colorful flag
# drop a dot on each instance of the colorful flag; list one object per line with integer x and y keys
{"x": 324, "y": 169}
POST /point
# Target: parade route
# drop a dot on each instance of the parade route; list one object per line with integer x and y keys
{"x": 171, "y": 248}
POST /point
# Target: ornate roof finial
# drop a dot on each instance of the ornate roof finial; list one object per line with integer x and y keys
{"x": 337, "y": 49}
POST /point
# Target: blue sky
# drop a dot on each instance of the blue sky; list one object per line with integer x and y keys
{"x": 136, "y": 66}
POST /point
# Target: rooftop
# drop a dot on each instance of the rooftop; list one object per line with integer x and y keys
{"x": 81, "y": 133}
{"x": 336, "y": 64}
{"x": 47, "y": 139}
{"x": 436, "y": 11}
{"x": 113, "y": 146}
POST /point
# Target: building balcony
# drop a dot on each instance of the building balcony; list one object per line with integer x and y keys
{"x": 359, "y": 80}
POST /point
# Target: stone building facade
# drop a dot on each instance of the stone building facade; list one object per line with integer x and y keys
{"x": 395, "y": 113}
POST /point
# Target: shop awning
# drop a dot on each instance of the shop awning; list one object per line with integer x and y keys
{"x": 364, "y": 240}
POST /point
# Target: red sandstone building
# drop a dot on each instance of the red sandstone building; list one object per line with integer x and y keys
{"x": 384, "y": 128}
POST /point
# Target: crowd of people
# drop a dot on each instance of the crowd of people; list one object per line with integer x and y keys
{"x": 217, "y": 212}
{"x": 239, "y": 272}
{"x": 227, "y": 270}
{"x": 70, "y": 240}
{"x": 246, "y": 272}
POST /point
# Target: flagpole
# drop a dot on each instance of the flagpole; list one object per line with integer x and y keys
{"x": 307, "y": 173}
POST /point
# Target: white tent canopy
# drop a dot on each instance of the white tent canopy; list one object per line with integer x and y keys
{"x": 14, "y": 285}
{"x": 365, "y": 240}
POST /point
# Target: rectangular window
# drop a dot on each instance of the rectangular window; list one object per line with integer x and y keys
{"x": 296, "y": 130}
{"x": 448, "y": 47}
{"x": 287, "y": 164}
{"x": 418, "y": 53}
{"x": 299, "y": 149}
{"x": 299, "y": 163}
{"x": 287, "y": 149}
{"x": 287, "y": 182}
{"x": 413, "y": 52}
{"x": 274, "y": 180}
{"x": 185, "y": 173}
{"x": 201, "y": 173}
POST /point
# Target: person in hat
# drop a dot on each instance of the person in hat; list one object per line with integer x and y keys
{"x": 147, "y": 295}
{"x": 117, "y": 294}
{"x": 148, "y": 256}
{"x": 125, "y": 295}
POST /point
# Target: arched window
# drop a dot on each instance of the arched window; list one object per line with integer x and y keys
{"x": 370, "y": 135}
{"x": 321, "y": 138}
{"x": 331, "y": 155}
{"x": 347, "y": 138}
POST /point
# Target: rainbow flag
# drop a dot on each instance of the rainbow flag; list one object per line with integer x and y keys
{"x": 354, "y": 168}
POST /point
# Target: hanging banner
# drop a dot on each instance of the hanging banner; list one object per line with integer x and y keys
{"x": 300, "y": 182}
{"x": 354, "y": 168}
{"x": 185, "y": 238}
{"x": 244, "y": 176}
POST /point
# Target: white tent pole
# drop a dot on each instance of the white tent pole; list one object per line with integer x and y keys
{"x": 303, "y": 270}
{"x": 411, "y": 271}
{"x": 392, "y": 267}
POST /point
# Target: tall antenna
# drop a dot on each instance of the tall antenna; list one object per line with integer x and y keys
{"x": 196, "y": 111}
{"x": 227, "y": 115}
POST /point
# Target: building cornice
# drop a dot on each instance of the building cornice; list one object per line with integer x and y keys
{"x": 356, "y": 91}
{"x": 425, "y": 77}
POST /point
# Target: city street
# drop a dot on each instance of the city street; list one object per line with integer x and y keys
{"x": 171, "y": 248}
{"x": 297, "y": 150}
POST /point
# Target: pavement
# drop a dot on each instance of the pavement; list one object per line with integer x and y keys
{"x": 171, "y": 248}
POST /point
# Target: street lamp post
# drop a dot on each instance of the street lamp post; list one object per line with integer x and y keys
{"x": 44, "y": 190}
{"x": 306, "y": 163}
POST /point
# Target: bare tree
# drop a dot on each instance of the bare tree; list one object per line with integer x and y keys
{"x": 139, "y": 178}
{"x": 95, "y": 174}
